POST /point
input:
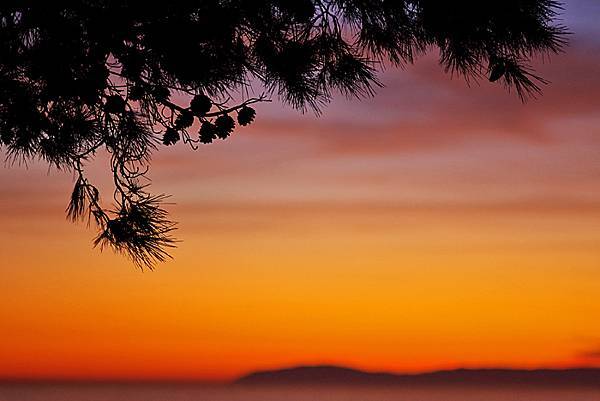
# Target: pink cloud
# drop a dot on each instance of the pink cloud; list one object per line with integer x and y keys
{"x": 422, "y": 108}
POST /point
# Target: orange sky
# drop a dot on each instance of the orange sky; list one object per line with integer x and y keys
{"x": 434, "y": 226}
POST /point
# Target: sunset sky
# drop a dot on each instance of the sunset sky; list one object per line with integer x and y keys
{"x": 434, "y": 226}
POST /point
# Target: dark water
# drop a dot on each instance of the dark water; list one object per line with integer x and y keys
{"x": 166, "y": 392}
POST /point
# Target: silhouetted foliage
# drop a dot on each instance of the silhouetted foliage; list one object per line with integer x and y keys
{"x": 80, "y": 76}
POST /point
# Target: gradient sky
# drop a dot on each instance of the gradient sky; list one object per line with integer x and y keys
{"x": 434, "y": 226}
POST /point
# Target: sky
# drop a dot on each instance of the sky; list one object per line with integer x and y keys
{"x": 437, "y": 225}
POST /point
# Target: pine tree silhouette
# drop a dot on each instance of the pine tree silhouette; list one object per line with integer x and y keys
{"x": 80, "y": 76}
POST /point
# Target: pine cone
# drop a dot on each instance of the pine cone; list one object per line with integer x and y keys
{"x": 184, "y": 120}
{"x": 300, "y": 10}
{"x": 200, "y": 105}
{"x": 497, "y": 71}
{"x": 224, "y": 125}
{"x": 136, "y": 93}
{"x": 246, "y": 115}
{"x": 170, "y": 137}
{"x": 207, "y": 132}
{"x": 114, "y": 104}
{"x": 161, "y": 93}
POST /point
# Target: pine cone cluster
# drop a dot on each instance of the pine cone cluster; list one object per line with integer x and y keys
{"x": 210, "y": 129}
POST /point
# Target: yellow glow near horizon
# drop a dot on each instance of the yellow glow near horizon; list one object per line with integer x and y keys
{"x": 457, "y": 229}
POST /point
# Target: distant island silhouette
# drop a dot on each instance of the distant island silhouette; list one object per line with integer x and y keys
{"x": 338, "y": 375}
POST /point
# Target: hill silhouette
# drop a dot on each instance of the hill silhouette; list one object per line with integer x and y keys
{"x": 338, "y": 375}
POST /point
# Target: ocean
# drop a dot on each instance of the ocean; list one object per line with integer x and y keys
{"x": 194, "y": 392}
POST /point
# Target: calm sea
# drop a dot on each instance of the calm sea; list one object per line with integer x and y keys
{"x": 185, "y": 392}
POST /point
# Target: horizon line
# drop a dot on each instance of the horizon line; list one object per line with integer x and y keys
{"x": 232, "y": 380}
